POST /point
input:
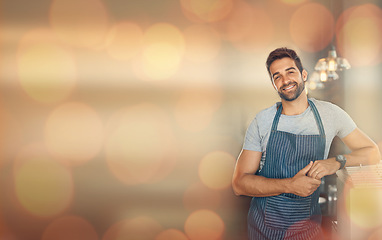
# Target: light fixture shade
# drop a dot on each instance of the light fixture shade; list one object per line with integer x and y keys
{"x": 314, "y": 86}
{"x": 326, "y": 70}
{"x": 314, "y": 82}
{"x": 319, "y": 78}
{"x": 343, "y": 64}
{"x": 323, "y": 76}
{"x": 332, "y": 62}
{"x": 332, "y": 75}
{"x": 322, "y": 65}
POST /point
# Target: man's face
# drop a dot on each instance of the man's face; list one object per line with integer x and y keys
{"x": 287, "y": 79}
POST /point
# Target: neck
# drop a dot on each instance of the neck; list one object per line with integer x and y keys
{"x": 295, "y": 107}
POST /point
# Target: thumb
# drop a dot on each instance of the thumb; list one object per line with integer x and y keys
{"x": 306, "y": 169}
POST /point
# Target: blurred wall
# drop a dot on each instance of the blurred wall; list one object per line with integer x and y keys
{"x": 123, "y": 119}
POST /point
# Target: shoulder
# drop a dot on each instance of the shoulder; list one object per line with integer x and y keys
{"x": 267, "y": 113}
{"x": 263, "y": 120}
{"x": 326, "y": 107}
{"x": 335, "y": 118}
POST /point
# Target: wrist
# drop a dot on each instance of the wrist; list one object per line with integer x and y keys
{"x": 341, "y": 160}
{"x": 287, "y": 185}
{"x": 338, "y": 164}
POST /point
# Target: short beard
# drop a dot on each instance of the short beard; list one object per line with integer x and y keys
{"x": 297, "y": 93}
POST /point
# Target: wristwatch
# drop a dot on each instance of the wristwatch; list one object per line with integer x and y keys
{"x": 342, "y": 160}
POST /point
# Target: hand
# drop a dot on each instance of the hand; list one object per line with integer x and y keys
{"x": 302, "y": 185}
{"x": 322, "y": 168}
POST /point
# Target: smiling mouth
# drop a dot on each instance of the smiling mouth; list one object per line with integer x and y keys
{"x": 289, "y": 87}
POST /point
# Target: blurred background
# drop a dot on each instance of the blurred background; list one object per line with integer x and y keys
{"x": 123, "y": 119}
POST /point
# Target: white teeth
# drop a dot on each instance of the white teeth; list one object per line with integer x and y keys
{"x": 289, "y": 87}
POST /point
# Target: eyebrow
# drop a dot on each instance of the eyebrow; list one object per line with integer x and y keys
{"x": 285, "y": 70}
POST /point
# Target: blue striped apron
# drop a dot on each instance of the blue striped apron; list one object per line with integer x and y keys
{"x": 288, "y": 216}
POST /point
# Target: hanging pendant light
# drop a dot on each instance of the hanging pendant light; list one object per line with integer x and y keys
{"x": 326, "y": 68}
{"x": 332, "y": 63}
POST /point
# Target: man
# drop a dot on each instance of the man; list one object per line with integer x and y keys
{"x": 285, "y": 155}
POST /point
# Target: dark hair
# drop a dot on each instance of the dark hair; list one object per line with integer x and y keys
{"x": 283, "y": 52}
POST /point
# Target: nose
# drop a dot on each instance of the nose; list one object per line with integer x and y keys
{"x": 285, "y": 80}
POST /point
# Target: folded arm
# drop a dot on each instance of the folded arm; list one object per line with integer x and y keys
{"x": 244, "y": 182}
{"x": 364, "y": 151}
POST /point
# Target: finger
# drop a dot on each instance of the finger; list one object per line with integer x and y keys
{"x": 315, "y": 163}
{"x": 317, "y": 175}
{"x": 306, "y": 169}
{"x": 312, "y": 172}
{"x": 315, "y": 182}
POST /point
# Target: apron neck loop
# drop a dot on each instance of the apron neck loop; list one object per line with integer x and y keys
{"x": 315, "y": 113}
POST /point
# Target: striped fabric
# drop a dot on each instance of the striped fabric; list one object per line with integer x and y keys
{"x": 288, "y": 216}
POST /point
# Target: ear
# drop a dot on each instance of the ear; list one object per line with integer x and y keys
{"x": 304, "y": 75}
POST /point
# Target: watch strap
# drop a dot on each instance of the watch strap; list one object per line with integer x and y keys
{"x": 342, "y": 160}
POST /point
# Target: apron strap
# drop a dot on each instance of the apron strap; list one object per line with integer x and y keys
{"x": 277, "y": 117}
{"x": 317, "y": 117}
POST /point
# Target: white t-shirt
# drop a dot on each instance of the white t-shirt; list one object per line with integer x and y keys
{"x": 336, "y": 122}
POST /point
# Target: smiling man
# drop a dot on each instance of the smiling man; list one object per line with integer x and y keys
{"x": 285, "y": 155}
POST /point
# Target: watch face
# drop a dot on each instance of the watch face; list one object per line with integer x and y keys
{"x": 341, "y": 159}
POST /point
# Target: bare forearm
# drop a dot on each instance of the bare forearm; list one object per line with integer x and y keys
{"x": 363, "y": 156}
{"x": 259, "y": 186}
{"x": 363, "y": 149}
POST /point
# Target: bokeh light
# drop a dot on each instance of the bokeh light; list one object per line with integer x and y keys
{"x": 160, "y": 61}
{"x": 263, "y": 24}
{"x": 5, "y": 232}
{"x": 206, "y": 10}
{"x": 171, "y": 234}
{"x": 248, "y": 27}
{"x": 216, "y": 169}
{"x": 204, "y": 225}
{"x": 74, "y": 133}
{"x": 11, "y": 135}
{"x": 376, "y": 234}
{"x": 43, "y": 186}
{"x": 238, "y": 23}
{"x": 195, "y": 108}
{"x": 312, "y": 27}
{"x": 362, "y": 202}
{"x": 359, "y": 36}
{"x": 46, "y": 70}
{"x": 163, "y": 50}
{"x": 198, "y": 196}
{"x": 164, "y": 32}
{"x": 140, "y": 144}
{"x": 106, "y": 155}
{"x": 141, "y": 227}
{"x": 293, "y": 2}
{"x": 125, "y": 41}
{"x": 70, "y": 227}
{"x": 82, "y": 23}
{"x": 202, "y": 43}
